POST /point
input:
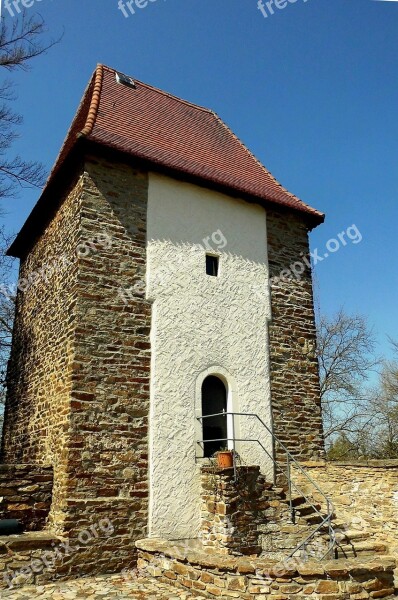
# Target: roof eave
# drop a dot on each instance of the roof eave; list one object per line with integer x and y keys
{"x": 60, "y": 182}
{"x": 311, "y": 214}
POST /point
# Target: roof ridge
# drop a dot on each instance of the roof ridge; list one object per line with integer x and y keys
{"x": 168, "y": 94}
{"x": 258, "y": 161}
{"x": 95, "y": 100}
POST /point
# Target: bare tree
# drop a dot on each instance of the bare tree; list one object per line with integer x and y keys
{"x": 390, "y": 375}
{"x": 7, "y": 310}
{"x": 369, "y": 428}
{"x": 385, "y": 410}
{"x": 19, "y": 44}
{"x": 385, "y": 428}
{"x": 346, "y": 348}
{"x": 344, "y": 447}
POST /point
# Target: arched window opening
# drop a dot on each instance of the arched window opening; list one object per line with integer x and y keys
{"x": 214, "y": 401}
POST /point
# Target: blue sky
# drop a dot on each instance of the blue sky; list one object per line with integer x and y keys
{"x": 311, "y": 89}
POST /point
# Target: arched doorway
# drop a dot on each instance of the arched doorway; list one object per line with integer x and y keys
{"x": 214, "y": 400}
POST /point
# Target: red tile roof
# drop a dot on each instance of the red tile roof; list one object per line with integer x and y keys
{"x": 164, "y": 130}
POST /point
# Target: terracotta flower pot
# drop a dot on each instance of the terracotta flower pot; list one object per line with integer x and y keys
{"x": 225, "y": 460}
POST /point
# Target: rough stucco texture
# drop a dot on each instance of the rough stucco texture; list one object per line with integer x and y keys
{"x": 202, "y": 324}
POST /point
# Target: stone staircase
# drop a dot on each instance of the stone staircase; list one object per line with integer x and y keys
{"x": 283, "y": 532}
{"x": 252, "y": 516}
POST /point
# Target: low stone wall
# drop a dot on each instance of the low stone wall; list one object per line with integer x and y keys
{"x": 210, "y": 575}
{"x": 39, "y": 557}
{"x": 25, "y": 494}
{"x": 27, "y": 559}
{"x": 364, "y": 494}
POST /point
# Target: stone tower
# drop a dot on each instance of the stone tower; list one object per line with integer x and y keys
{"x": 162, "y": 270}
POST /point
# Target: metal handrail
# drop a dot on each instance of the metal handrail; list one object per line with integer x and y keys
{"x": 326, "y": 520}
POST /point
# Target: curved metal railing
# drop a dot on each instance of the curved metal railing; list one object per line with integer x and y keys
{"x": 326, "y": 520}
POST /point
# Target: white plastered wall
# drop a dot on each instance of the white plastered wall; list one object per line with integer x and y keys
{"x": 202, "y": 325}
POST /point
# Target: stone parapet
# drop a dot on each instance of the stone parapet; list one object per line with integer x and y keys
{"x": 25, "y": 494}
{"x": 28, "y": 559}
{"x": 208, "y": 574}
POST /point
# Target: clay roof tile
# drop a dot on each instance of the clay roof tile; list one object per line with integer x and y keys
{"x": 161, "y": 129}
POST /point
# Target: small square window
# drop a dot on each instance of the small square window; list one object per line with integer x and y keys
{"x": 212, "y": 265}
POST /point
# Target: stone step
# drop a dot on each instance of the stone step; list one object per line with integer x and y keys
{"x": 355, "y": 550}
{"x": 311, "y": 520}
{"x": 267, "y": 485}
{"x": 279, "y": 491}
{"x": 296, "y": 500}
{"x": 361, "y": 548}
{"x": 339, "y": 524}
{"x": 344, "y": 535}
{"x": 351, "y": 543}
{"x": 305, "y": 510}
{"x": 353, "y": 535}
{"x": 295, "y": 529}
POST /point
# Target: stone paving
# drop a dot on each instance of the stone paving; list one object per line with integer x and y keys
{"x": 105, "y": 587}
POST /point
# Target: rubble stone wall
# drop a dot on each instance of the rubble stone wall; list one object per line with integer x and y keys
{"x": 80, "y": 367}
{"x": 365, "y": 495}
{"x": 25, "y": 494}
{"x": 231, "y": 509}
{"x": 108, "y": 449}
{"x": 39, "y": 376}
{"x": 294, "y": 367}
